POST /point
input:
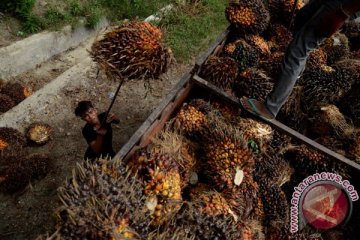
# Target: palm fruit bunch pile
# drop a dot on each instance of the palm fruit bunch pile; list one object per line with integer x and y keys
{"x": 248, "y": 16}
{"x": 351, "y": 30}
{"x": 20, "y": 169}
{"x": 350, "y": 104}
{"x": 11, "y": 140}
{"x": 336, "y": 48}
{"x": 316, "y": 58}
{"x": 292, "y": 112}
{"x": 253, "y": 83}
{"x": 162, "y": 181}
{"x": 221, "y": 71}
{"x": 244, "y": 54}
{"x": 259, "y": 43}
{"x": 328, "y": 120}
{"x": 272, "y": 64}
{"x": 16, "y": 91}
{"x": 132, "y": 50}
{"x": 203, "y": 226}
{"x": 102, "y": 201}
{"x": 6, "y": 103}
{"x": 39, "y": 133}
{"x": 190, "y": 121}
{"x": 279, "y": 37}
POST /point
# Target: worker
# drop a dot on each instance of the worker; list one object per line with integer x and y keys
{"x": 98, "y": 137}
{"x": 315, "y": 22}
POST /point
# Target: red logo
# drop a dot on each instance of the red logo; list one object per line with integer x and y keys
{"x": 325, "y": 206}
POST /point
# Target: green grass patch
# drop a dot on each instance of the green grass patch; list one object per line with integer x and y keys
{"x": 190, "y": 29}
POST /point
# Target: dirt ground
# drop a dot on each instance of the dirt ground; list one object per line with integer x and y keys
{"x": 27, "y": 214}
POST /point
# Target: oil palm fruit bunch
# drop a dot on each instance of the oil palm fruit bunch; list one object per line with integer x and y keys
{"x": 335, "y": 143}
{"x": 323, "y": 87}
{"x": 132, "y": 50}
{"x": 316, "y": 58}
{"x": 245, "y": 55}
{"x": 39, "y": 133}
{"x": 351, "y": 30}
{"x": 287, "y": 8}
{"x": 229, "y": 113}
{"x": 279, "y": 142}
{"x": 350, "y": 104}
{"x": 190, "y": 121}
{"x": 6, "y": 103}
{"x": 259, "y": 43}
{"x": 15, "y": 175}
{"x": 354, "y": 148}
{"x": 279, "y": 37}
{"x": 243, "y": 199}
{"x": 11, "y": 139}
{"x": 275, "y": 232}
{"x": 204, "y": 226}
{"x": 276, "y": 207}
{"x": 275, "y": 9}
{"x": 102, "y": 201}
{"x": 248, "y": 16}
{"x": 272, "y": 64}
{"x": 256, "y": 131}
{"x": 38, "y": 164}
{"x": 328, "y": 120}
{"x": 272, "y": 170}
{"x": 336, "y": 48}
{"x": 17, "y": 91}
{"x": 252, "y": 229}
{"x": 347, "y": 71}
{"x": 319, "y": 75}
{"x": 221, "y": 71}
{"x": 355, "y": 54}
{"x": 253, "y": 83}
{"x": 291, "y": 113}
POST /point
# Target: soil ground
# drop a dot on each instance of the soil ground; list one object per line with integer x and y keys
{"x": 27, "y": 214}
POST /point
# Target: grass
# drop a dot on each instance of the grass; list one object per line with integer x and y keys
{"x": 190, "y": 29}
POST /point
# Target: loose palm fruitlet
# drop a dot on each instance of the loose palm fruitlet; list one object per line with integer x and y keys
{"x": 39, "y": 133}
{"x": 221, "y": 71}
{"x": 279, "y": 37}
{"x": 336, "y": 48}
{"x": 133, "y": 50}
{"x": 100, "y": 198}
{"x": 245, "y": 55}
{"x": 204, "y": 226}
{"x": 292, "y": 113}
{"x": 248, "y": 16}
{"x": 351, "y": 30}
{"x": 272, "y": 64}
{"x": 190, "y": 121}
{"x": 253, "y": 83}
{"x": 259, "y": 43}
{"x": 327, "y": 120}
{"x": 17, "y": 91}
{"x": 6, "y": 103}
{"x": 11, "y": 139}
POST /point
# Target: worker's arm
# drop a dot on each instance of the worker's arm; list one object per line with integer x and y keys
{"x": 98, "y": 143}
{"x": 112, "y": 118}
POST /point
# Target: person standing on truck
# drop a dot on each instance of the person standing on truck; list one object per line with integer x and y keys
{"x": 315, "y": 22}
{"x": 98, "y": 137}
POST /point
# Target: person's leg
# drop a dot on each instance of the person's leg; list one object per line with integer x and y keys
{"x": 307, "y": 39}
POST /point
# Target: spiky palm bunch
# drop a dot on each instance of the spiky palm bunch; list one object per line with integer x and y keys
{"x": 133, "y": 50}
{"x": 39, "y": 133}
{"x": 336, "y": 48}
{"x": 221, "y": 71}
{"x": 279, "y": 37}
{"x": 276, "y": 207}
{"x": 245, "y": 55}
{"x": 11, "y": 139}
{"x": 253, "y": 83}
{"x": 350, "y": 105}
{"x": 272, "y": 64}
{"x": 102, "y": 201}
{"x": 6, "y": 103}
{"x": 17, "y": 91}
{"x": 252, "y": 230}
{"x": 287, "y": 9}
{"x": 248, "y": 16}
{"x": 259, "y": 43}
{"x": 316, "y": 58}
{"x": 347, "y": 71}
{"x": 351, "y": 30}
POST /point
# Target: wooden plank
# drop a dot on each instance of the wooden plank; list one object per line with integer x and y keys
{"x": 278, "y": 125}
{"x": 135, "y": 138}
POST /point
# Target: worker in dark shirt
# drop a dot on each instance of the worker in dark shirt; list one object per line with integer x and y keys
{"x": 99, "y": 138}
{"x": 315, "y": 22}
